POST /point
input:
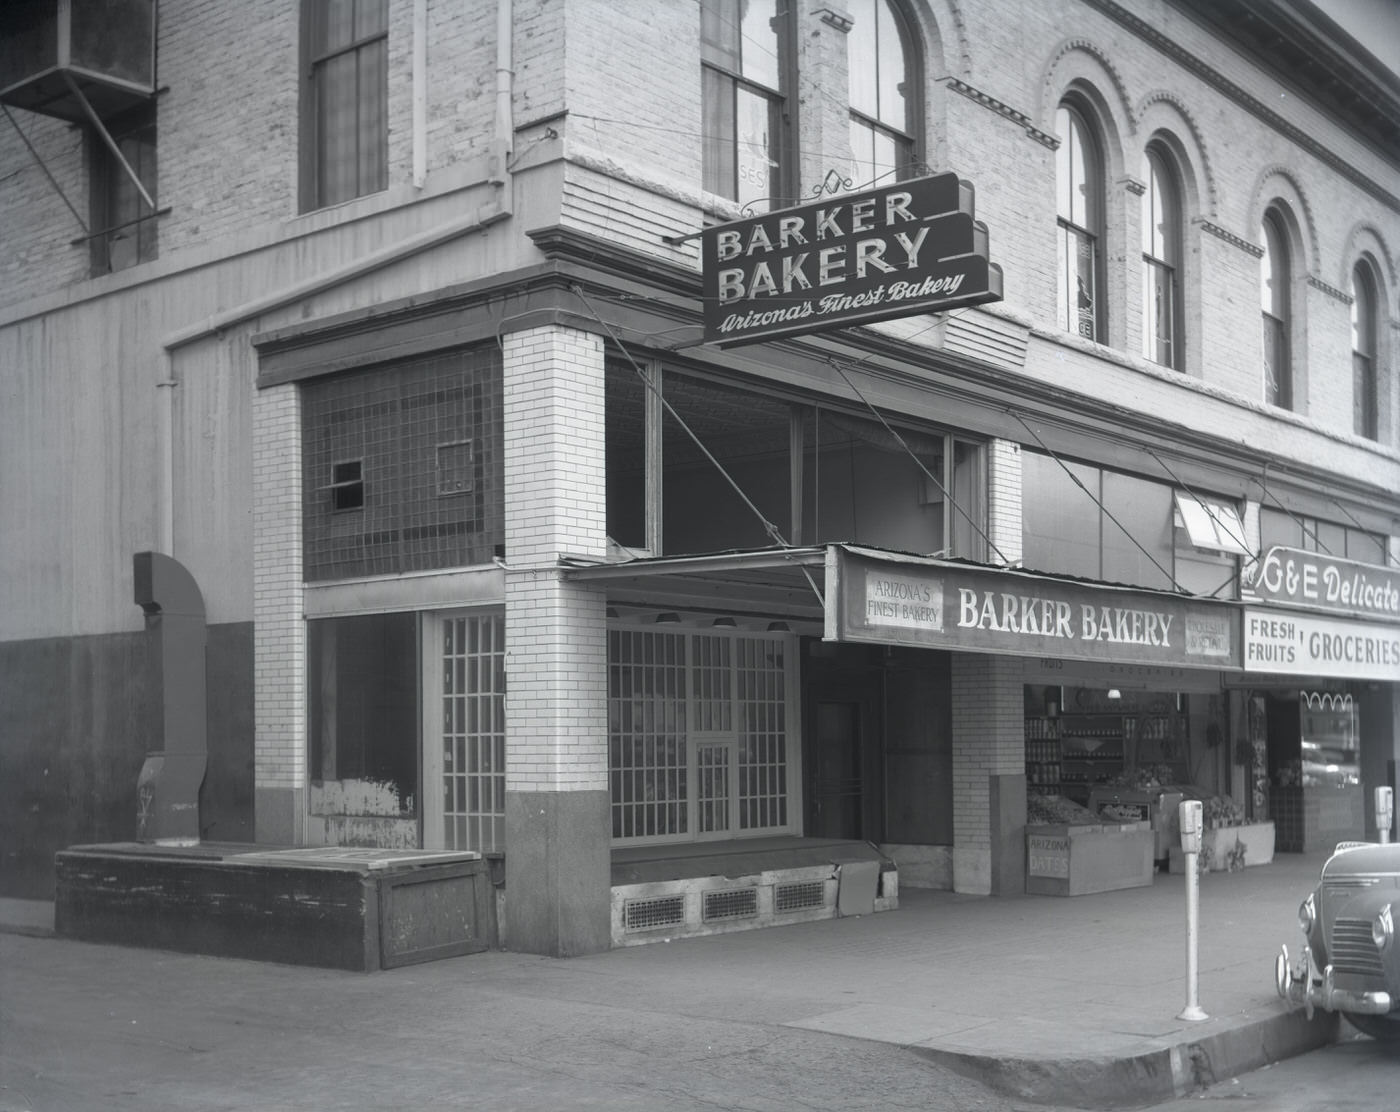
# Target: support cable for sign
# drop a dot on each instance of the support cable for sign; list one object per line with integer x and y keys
{"x": 768, "y": 526}
{"x": 1251, "y": 556}
{"x": 947, "y": 494}
{"x": 1303, "y": 530}
{"x": 1095, "y": 498}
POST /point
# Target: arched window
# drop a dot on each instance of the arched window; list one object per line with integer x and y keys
{"x": 1079, "y": 203}
{"x": 745, "y": 57}
{"x": 1363, "y": 352}
{"x": 882, "y": 80}
{"x": 1161, "y": 263}
{"x": 1275, "y": 278}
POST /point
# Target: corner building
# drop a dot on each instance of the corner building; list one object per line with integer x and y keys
{"x": 385, "y": 321}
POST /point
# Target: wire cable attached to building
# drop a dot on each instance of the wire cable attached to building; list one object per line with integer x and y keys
{"x": 768, "y": 526}
{"x": 1107, "y": 512}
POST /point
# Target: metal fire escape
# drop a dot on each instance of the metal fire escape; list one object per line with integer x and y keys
{"x": 84, "y": 61}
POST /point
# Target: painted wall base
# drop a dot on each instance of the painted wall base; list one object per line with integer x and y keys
{"x": 922, "y": 866}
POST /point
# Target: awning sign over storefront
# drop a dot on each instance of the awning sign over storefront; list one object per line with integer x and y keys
{"x": 1286, "y": 642}
{"x": 976, "y": 609}
{"x": 907, "y": 248}
{"x": 1312, "y": 579}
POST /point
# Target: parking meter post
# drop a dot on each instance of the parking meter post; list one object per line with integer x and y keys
{"x": 1189, "y": 820}
{"x": 1385, "y": 811}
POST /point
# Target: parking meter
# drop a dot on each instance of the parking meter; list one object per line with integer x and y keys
{"x": 1385, "y": 811}
{"x": 1189, "y": 818}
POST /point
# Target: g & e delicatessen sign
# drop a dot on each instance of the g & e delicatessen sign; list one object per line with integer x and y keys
{"x": 1330, "y": 617}
{"x": 913, "y": 247}
{"x": 985, "y": 610}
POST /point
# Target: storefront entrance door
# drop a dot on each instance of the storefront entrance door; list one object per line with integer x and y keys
{"x": 838, "y": 787}
{"x": 464, "y": 731}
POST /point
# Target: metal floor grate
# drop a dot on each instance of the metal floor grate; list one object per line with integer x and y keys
{"x": 736, "y": 903}
{"x": 659, "y": 911}
{"x": 799, "y": 896}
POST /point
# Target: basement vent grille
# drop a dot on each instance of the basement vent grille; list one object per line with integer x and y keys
{"x": 799, "y": 897}
{"x": 660, "y": 911}
{"x": 737, "y": 903}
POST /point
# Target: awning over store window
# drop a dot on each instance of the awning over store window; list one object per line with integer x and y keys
{"x": 881, "y": 597}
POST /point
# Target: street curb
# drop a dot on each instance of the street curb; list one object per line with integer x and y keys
{"x": 1145, "y": 1079}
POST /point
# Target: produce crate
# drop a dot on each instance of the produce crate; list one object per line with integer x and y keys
{"x": 1064, "y": 860}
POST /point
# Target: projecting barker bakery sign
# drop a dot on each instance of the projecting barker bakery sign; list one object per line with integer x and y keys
{"x": 993, "y": 611}
{"x": 908, "y": 248}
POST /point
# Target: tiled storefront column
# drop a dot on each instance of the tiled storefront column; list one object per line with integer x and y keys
{"x": 279, "y": 634}
{"x": 558, "y": 861}
{"x": 989, "y": 775}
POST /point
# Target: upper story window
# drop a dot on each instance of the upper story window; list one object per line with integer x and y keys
{"x": 1161, "y": 263}
{"x": 1331, "y": 538}
{"x": 345, "y": 131}
{"x": 744, "y": 51}
{"x": 1275, "y": 279}
{"x": 882, "y": 79}
{"x": 1363, "y": 352}
{"x": 124, "y": 225}
{"x": 1079, "y": 205}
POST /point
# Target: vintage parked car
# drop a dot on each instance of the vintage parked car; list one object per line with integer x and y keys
{"x": 1350, "y": 959}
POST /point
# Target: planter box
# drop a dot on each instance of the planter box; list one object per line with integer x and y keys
{"x": 361, "y": 910}
{"x": 1256, "y": 837}
{"x": 1078, "y": 860}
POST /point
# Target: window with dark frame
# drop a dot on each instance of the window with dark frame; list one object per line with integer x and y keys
{"x": 744, "y": 59}
{"x": 345, "y": 135}
{"x": 124, "y": 225}
{"x": 1161, "y": 261}
{"x": 1365, "y": 397}
{"x": 1079, "y": 208}
{"x": 347, "y": 485}
{"x": 882, "y": 75}
{"x": 1275, "y": 278}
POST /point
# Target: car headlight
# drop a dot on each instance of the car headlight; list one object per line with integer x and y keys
{"x": 1307, "y": 915}
{"x": 1383, "y": 929}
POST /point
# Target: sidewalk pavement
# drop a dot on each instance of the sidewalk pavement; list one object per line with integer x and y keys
{"x": 1062, "y": 1000}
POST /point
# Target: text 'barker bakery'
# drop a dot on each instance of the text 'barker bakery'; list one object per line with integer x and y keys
{"x": 1046, "y": 617}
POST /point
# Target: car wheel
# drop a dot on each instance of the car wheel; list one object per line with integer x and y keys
{"x": 1382, "y": 1028}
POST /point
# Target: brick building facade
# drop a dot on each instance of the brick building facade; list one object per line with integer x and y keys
{"x": 405, "y": 364}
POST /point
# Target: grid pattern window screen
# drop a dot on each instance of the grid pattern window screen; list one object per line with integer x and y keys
{"x": 762, "y": 702}
{"x": 666, "y": 693}
{"x": 712, "y": 766}
{"x": 423, "y": 440}
{"x": 474, "y": 732}
{"x": 647, "y": 733}
{"x": 712, "y": 704}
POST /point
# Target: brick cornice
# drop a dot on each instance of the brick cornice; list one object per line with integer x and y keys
{"x": 1229, "y": 237}
{"x": 1217, "y": 80}
{"x": 986, "y": 100}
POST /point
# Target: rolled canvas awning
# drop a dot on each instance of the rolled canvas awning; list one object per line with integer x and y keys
{"x": 882, "y": 597}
